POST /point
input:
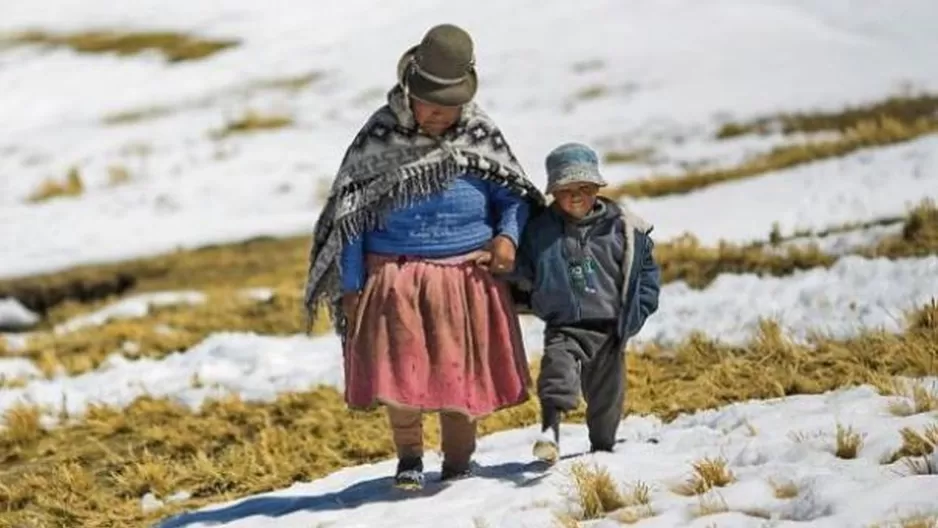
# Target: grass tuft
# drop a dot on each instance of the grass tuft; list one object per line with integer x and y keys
{"x": 594, "y": 492}
{"x": 912, "y": 521}
{"x": 710, "y": 503}
{"x": 253, "y": 121}
{"x": 916, "y": 398}
{"x": 784, "y": 489}
{"x": 708, "y": 473}
{"x": 22, "y": 424}
{"x": 49, "y": 189}
{"x": 848, "y": 443}
{"x": 916, "y": 444}
{"x": 174, "y": 46}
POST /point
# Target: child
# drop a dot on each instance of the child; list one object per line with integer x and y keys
{"x": 587, "y": 264}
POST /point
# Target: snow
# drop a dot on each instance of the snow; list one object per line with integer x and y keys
{"x": 846, "y": 242}
{"x": 132, "y": 307}
{"x": 15, "y": 316}
{"x": 678, "y": 70}
{"x": 865, "y": 185}
{"x": 854, "y": 294}
{"x": 256, "y": 367}
{"x": 784, "y": 440}
{"x": 838, "y": 302}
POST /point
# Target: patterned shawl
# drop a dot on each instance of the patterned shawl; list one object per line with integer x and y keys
{"x": 390, "y": 165}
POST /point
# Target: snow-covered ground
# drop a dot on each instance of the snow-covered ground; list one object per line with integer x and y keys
{"x": 785, "y": 441}
{"x": 667, "y": 72}
{"x": 677, "y": 68}
{"x": 839, "y": 302}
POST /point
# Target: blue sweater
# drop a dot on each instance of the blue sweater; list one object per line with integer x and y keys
{"x": 460, "y": 219}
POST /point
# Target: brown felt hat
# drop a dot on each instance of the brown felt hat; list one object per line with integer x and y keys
{"x": 441, "y": 69}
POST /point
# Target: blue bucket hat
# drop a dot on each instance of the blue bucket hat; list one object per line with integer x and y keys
{"x": 572, "y": 163}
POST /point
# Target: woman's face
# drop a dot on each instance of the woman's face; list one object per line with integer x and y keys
{"x": 434, "y": 119}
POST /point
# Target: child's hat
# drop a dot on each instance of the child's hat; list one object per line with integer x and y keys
{"x": 572, "y": 163}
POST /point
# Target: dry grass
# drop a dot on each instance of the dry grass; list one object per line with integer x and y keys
{"x": 916, "y": 444}
{"x": 784, "y": 489}
{"x": 253, "y": 121}
{"x": 686, "y": 259}
{"x": 49, "y": 188}
{"x": 594, "y": 492}
{"x": 848, "y": 443}
{"x": 118, "y": 175}
{"x": 865, "y": 134}
{"x": 905, "y": 108}
{"x": 710, "y": 503}
{"x": 169, "y": 329}
{"x": 915, "y": 397}
{"x": 593, "y": 91}
{"x": 640, "y": 155}
{"x": 708, "y": 473}
{"x": 293, "y": 83}
{"x": 231, "y": 448}
{"x": 921, "y": 465}
{"x": 912, "y": 521}
{"x": 281, "y": 265}
{"x": 175, "y": 47}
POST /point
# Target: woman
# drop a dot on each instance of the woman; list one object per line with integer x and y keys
{"x": 428, "y": 204}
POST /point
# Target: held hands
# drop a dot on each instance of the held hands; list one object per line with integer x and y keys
{"x": 499, "y": 256}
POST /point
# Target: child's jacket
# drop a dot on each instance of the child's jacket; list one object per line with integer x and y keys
{"x": 598, "y": 269}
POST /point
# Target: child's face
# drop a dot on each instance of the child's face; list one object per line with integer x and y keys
{"x": 576, "y": 199}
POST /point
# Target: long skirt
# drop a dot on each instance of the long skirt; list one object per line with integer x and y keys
{"x": 435, "y": 335}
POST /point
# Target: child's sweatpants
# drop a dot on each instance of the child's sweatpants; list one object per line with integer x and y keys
{"x": 585, "y": 360}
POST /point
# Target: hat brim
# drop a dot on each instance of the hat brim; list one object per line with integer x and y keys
{"x": 432, "y": 92}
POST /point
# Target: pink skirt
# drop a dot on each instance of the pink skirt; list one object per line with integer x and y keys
{"x": 435, "y": 335}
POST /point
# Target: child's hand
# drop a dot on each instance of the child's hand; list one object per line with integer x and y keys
{"x": 503, "y": 254}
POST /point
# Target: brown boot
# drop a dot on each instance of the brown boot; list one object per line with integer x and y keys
{"x": 458, "y": 433}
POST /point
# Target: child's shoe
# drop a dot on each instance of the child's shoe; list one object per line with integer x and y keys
{"x": 547, "y": 445}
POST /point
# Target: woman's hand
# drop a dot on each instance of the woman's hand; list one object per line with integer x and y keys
{"x": 350, "y": 307}
{"x": 503, "y": 254}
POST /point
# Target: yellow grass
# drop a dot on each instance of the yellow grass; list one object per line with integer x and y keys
{"x": 912, "y": 521}
{"x": 685, "y": 258}
{"x": 849, "y": 443}
{"x": 223, "y": 270}
{"x": 174, "y": 46}
{"x": 916, "y": 444}
{"x": 875, "y": 132}
{"x": 785, "y": 489}
{"x": 905, "y": 107}
{"x": 49, "y": 188}
{"x": 232, "y": 448}
{"x": 708, "y": 473}
{"x": 593, "y": 492}
{"x": 253, "y": 121}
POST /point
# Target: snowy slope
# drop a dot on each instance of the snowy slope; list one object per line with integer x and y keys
{"x": 668, "y": 68}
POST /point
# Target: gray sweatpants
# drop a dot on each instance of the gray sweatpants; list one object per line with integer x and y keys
{"x": 587, "y": 361}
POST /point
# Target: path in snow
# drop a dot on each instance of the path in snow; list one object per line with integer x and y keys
{"x": 757, "y": 438}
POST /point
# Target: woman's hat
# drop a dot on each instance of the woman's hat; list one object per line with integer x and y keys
{"x": 441, "y": 69}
